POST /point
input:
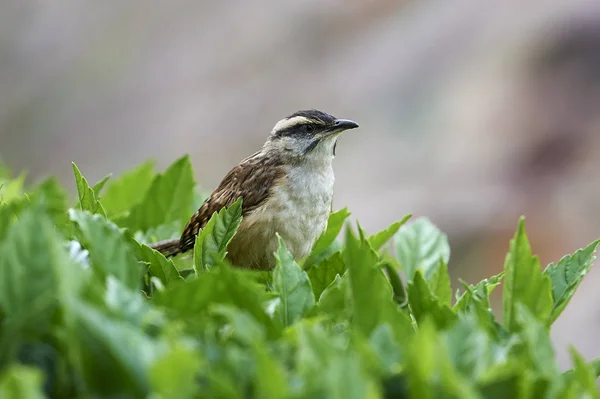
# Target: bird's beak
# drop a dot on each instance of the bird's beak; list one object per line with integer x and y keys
{"x": 340, "y": 125}
{"x": 344, "y": 124}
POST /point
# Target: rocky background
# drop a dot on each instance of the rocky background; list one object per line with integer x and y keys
{"x": 472, "y": 113}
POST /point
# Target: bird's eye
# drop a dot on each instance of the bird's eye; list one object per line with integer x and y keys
{"x": 308, "y": 128}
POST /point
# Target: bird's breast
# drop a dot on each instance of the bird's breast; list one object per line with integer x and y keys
{"x": 297, "y": 208}
{"x": 301, "y": 207}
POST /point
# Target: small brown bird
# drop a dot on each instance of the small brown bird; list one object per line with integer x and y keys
{"x": 286, "y": 188}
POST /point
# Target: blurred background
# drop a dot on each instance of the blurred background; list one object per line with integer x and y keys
{"x": 472, "y": 113}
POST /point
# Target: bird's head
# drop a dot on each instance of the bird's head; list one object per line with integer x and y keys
{"x": 307, "y": 136}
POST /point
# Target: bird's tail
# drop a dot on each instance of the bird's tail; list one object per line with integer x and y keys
{"x": 168, "y": 248}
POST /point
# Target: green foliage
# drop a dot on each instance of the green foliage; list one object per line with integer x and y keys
{"x": 88, "y": 200}
{"x": 212, "y": 240}
{"x": 325, "y": 244}
{"x": 21, "y": 382}
{"x": 424, "y": 303}
{"x": 323, "y": 274}
{"x": 581, "y": 381}
{"x": 292, "y": 286}
{"x": 49, "y": 193}
{"x": 172, "y": 374}
{"x": 524, "y": 282}
{"x": 100, "y": 185}
{"x": 34, "y": 273}
{"x": 11, "y": 189}
{"x": 158, "y": 266}
{"x": 421, "y": 246}
{"x": 104, "y": 343}
{"x": 566, "y": 276}
{"x": 128, "y": 190}
{"x": 476, "y": 300}
{"x": 110, "y": 253}
{"x": 88, "y": 309}
{"x": 168, "y": 199}
{"x": 372, "y": 295}
{"x": 378, "y": 240}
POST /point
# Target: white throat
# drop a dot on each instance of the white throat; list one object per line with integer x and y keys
{"x": 322, "y": 155}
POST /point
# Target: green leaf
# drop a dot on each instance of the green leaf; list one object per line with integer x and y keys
{"x": 129, "y": 305}
{"x": 240, "y": 324}
{"x": 396, "y": 282}
{"x": 327, "y": 370}
{"x": 223, "y": 285}
{"x": 476, "y": 300}
{"x": 567, "y": 275}
{"x": 423, "y": 303}
{"x": 100, "y": 185}
{"x": 371, "y": 291}
{"x": 347, "y": 379}
{"x": 524, "y": 282}
{"x": 174, "y": 374}
{"x": 128, "y": 189}
{"x": 34, "y": 271}
{"x": 213, "y": 239}
{"x": 293, "y": 286}
{"x": 422, "y": 361}
{"x": 378, "y": 240}
{"x": 327, "y": 238}
{"x": 322, "y": 274}
{"x": 48, "y": 194}
{"x": 440, "y": 284}
{"x": 315, "y": 349}
{"x": 9, "y": 214}
{"x": 421, "y": 246}
{"x": 372, "y": 295}
{"x": 168, "y": 199}
{"x": 87, "y": 198}
{"x": 54, "y": 199}
{"x": 480, "y": 292}
{"x": 158, "y": 265}
{"x": 595, "y": 365}
{"x": 430, "y": 371}
{"x": 481, "y": 357}
{"x": 537, "y": 340}
{"x": 19, "y": 381}
{"x": 470, "y": 347}
{"x": 335, "y": 299}
{"x": 164, "y": 231}
{"x": 505, "y": 382}
{"x": 228, "y": 376}
{"x": 100, "y": 343}
{"x": 270, "y": 379}
{"x": 12, "y": 189}
{"x": 110, "y": 252}
{"x": 386, "y": 349}
{"x": 584, "y": 374}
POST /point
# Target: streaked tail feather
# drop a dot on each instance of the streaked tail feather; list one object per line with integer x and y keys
{"x": 168, "y": 248}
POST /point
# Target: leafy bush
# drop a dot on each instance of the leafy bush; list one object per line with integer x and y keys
{"x": 89, "y": 310}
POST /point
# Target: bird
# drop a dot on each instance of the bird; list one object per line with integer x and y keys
{"x": 286, "y": 188}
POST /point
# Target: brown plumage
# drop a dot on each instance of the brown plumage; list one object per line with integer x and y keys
{"x": 286, "y": 188}
{"x": 251, "y": 179}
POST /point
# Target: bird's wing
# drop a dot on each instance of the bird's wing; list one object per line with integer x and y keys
{"x": 252, "y": 180}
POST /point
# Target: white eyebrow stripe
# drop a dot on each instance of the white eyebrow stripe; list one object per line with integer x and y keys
{"x": 287, "y": 123}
